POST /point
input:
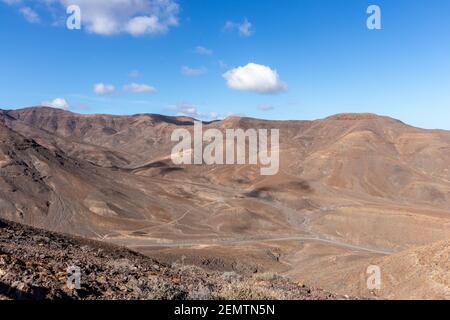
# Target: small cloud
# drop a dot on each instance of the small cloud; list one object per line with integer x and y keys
{"x": 135, "y": 17}
{"x": 135, "y": 74}
{"x": 265, "y": 107}
{"x": 193, "y": 72}
{"x": 57, "y": 103}
{"x": 102, "y": 89}
{"x": 245, "y": 28}
{"x": 139, "y": 26}
{"x": 139, "y": 88}
{"x": 255, "y": 78}
{"x": 203, "y": 51}
{"x": 30, "y": 15}
{"x": 108, "y": 17}
{"x": 187, "y": 110}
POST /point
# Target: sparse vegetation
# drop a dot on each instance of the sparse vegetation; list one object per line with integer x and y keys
{"x": 33, "y": 265}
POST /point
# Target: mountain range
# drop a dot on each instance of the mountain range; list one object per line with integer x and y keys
{"x": 353, "y": 190}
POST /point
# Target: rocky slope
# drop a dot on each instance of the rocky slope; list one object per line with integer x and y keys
{"x": 33, "y": 266}
{"x": 427, "y": 268}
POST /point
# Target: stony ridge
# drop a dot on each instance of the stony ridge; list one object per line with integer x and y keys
{"x": 33, "y": 266}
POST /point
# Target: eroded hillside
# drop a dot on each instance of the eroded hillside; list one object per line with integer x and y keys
{"x": 351, "y": 189}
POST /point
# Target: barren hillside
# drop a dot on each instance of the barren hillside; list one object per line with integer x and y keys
{"x": 34, "y": 265}
{"x": 352, "y": 189}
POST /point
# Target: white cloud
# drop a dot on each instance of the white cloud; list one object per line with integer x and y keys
{"x": 193, "y": 72}
{"x": 139, "y": 88}
{"x": 244, "y": 28}
{"x": 203, "y": 51}
{"x": 109, "y": 17}
{"x": 30, "y": 15}
{"x": 57, "y": 103}
{"x": 142, "y": 25}
{"x": 102, "y": 89}
{"x": 265, "y": 107}
{"x": 256, "y": 78}
{"x": 185, "y": 109}
{"x": 136, "y": 17}
{"x": 188, "y": 110}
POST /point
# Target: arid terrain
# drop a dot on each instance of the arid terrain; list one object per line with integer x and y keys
{"x": 353, "y": 190}
{"x": 35, "y": 265}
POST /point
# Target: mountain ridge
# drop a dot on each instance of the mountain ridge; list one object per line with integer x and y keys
{"x": 351, "y": 187}
{"x": 339, "y": 116}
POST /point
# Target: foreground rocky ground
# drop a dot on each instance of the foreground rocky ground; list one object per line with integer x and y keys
{"x": 33, "y": 265}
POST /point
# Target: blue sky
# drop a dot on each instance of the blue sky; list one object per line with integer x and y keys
{"x": 273, "y": 59}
